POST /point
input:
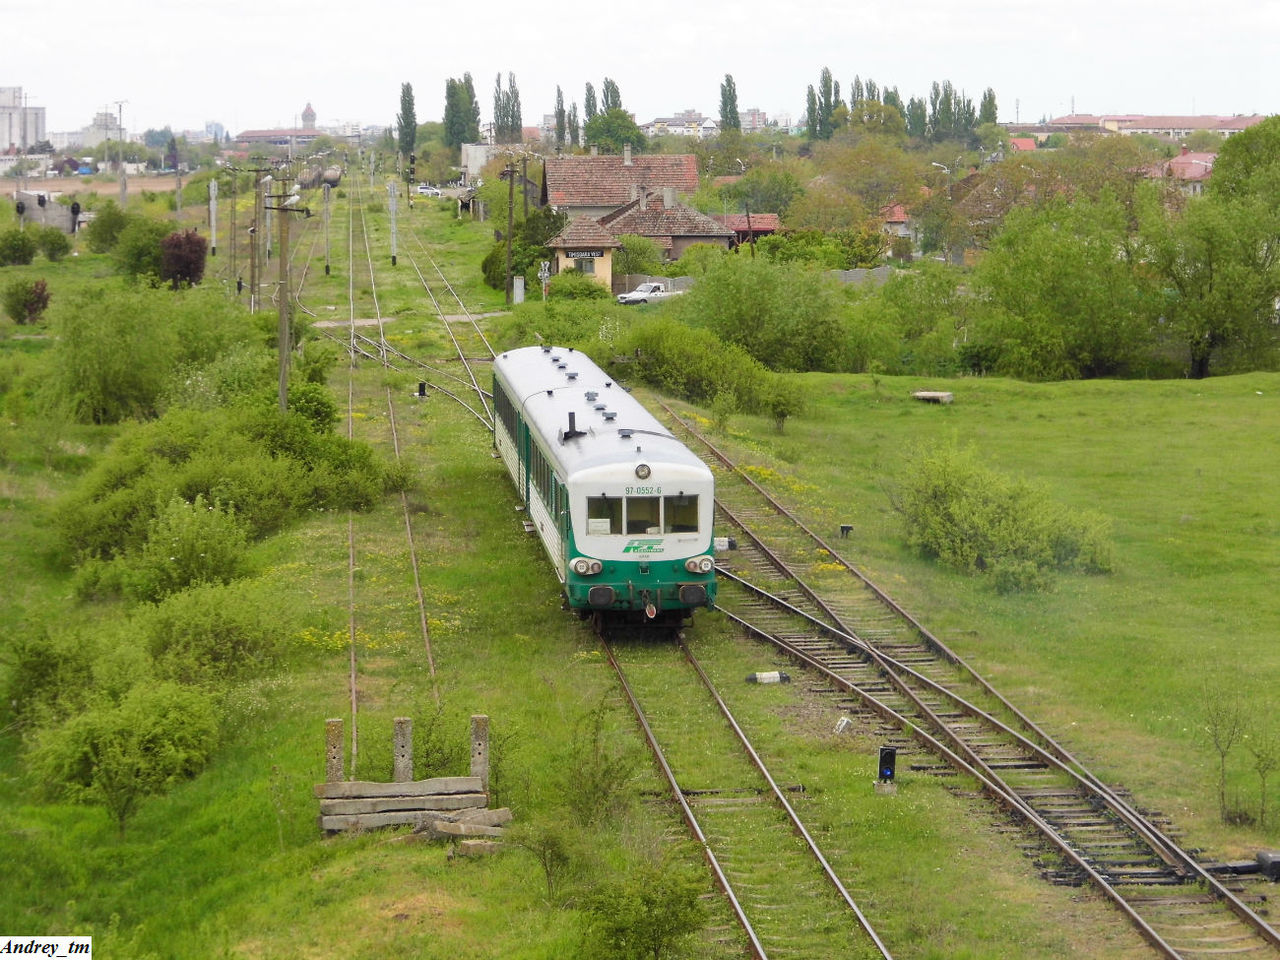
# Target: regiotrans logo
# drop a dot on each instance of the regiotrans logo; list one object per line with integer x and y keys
{"x": 643, "y": 546}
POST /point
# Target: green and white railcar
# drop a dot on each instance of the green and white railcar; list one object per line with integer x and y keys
{"x": 624, "y": 509}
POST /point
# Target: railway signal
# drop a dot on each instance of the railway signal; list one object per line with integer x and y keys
{"x": 888, "y": 764}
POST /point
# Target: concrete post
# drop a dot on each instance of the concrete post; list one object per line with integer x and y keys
{"x": 480, "y": 750}
{"x": 333, "y": 751}
{"x": 402, "y": 750}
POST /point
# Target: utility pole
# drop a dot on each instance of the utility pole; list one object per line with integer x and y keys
{"x": 392, "y": 192}
{"x": 213, "y": 216}
{"x": 124, "y": 180}
{"x": 326, "y": 229}
{"x": 510, "y": 174}
{"x": 283, "y": 326}
{"x": 524, "y": 181}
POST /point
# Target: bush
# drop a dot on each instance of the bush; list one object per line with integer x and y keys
{"x": 25, "y": 301}
{"x": 53, "y": 243}
{"x": 576, "y": 285}
{"x": 182, "y": 258}
{"x": 978, "y": 521}
{"x": 116, "y": 755}
{"x": 648, "y": 915}
{"x": 137, "y": 251}
{"x": 103, "y": 231}
{"x": 17, "y": 248}
{"x": 47, "y": 675}
{"x": 215, "y": 631}
{"x": 189, "y": 543}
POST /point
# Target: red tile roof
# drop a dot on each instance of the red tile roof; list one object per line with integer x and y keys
{"x": 584, "y": 232}
{"x": 1022, "y": 143}
{"x": 607, "y": 181}
{"x": 658, "y": 221}
{"x": 760, "y": 222}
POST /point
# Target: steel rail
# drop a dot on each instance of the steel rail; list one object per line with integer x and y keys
{"x": 785, "y": 804}
{"x": 690, "y": 819}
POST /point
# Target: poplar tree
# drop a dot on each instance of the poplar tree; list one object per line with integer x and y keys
{"x": 574, "y": 126}
{"x": 610, "y": 98}
{"x": 589, "y": 108}
{"x": 729, "y": 105}
{"x": 561, "y": 120}
{"x": 407, "y": 120}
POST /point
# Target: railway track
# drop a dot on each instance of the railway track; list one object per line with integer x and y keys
{"x": 784, "y": 895}
{"x": 789, "y": 587}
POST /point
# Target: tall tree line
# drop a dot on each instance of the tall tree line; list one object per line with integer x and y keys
{"x": 407, "y": 120}
{"x": 947, "y": 114}
{"x": 508, "y": 126}
{"x": 461, "y": 112}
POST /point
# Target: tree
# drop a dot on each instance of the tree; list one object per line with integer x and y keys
{"x": 562, "y": 122}
{"x": 406, "y": 120}
{"x": 182, "y": 258}
{"x": 729, "y": 105}
{"x": 1219, "y": 264}
{"x": 811, "y": 121}
{"x": 1249, "y": 162}
{"x": 17, "y": 248}
{"x": 589, "y": 108}
{"x": 508, "y": 126}
{"x": 610, "y": 98}
{"x": 987, "y": 111}
{"x": 24, "y": 301}
{"x": 138, "y": 252}
{"x": 457, "y": 112}
{"x": 54, "y": 244}
{"x": 1224, "y": 727}
{"x": 574, "y": 126}
{"x": 637, "y": 255}
{"x": 1069, "y": 291}
{"x": 613, "y": 128}
{"x": 473, "y": 114}
{"x": 104, "y": 229}
{"x": 159, "y": 735}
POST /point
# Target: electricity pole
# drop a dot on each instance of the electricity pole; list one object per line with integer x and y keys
{"x": 124, "y": 180}
{"x": 283, "y": 208}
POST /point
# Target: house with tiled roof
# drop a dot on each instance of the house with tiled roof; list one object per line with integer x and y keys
{"x": 1188, "y": 171}
{"x": 673, "y": 226}
{"x": 1022, "y": 144}
{"x": 593, "y": 186}
{"x": 749, "y": 227}
{"x": 587, "y": 247}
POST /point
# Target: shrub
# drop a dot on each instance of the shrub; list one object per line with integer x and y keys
{"x": 978, "y": 521}
{"x": 189, "y": 543}
{"x": 576, "y": 285}
{"x": 53, "y": 243}
{"x": 17, "y": 248}
{"x": 25, "y": 301}
{"x": 215, "y": 631}
{"x": 182, "y": 258}
{"x": 648, "y": 915}
{"x": 116, "y": 755}
{"x": 47, "y": 675}
{"x": 137, "y": 251}
{"x": 103, "y": 231}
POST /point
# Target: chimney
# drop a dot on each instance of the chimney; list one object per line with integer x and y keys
{"x": 669, "y": 197}
{"x": 1185, "y": 150}
{"x": 644, "y": 199}
{"x": 626, "y": 154}
{"x": 595, "y": 150}
{"x": 631, "y": 192}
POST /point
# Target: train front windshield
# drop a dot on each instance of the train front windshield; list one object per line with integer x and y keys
{"x": 642, "y": 514}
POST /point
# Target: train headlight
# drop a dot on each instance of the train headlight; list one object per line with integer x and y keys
{"x": 586, "y": 566}
{"x": 699, "y": 564}
{"x": 643, "y": 471}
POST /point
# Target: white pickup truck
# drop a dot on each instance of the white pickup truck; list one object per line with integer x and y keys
{"x": 648, "y": 292}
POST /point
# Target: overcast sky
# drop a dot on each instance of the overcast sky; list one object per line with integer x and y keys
{"x": 249, "y": 64}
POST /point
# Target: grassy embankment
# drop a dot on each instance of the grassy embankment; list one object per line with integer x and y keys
{"x": 231, "y": 863}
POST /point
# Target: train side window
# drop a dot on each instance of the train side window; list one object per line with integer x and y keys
{"x": 643, "y": 515}
{"x": 604, "y": 515}
{"x": 680, "y": 514}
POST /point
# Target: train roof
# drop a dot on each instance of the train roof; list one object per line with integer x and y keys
{"x": 585, "y": 419}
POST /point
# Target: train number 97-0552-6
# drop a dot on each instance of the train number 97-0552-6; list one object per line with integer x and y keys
{"x": 643, "y": 491}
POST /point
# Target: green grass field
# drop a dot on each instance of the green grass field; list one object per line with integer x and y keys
{"x": 1120, "y": 666}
